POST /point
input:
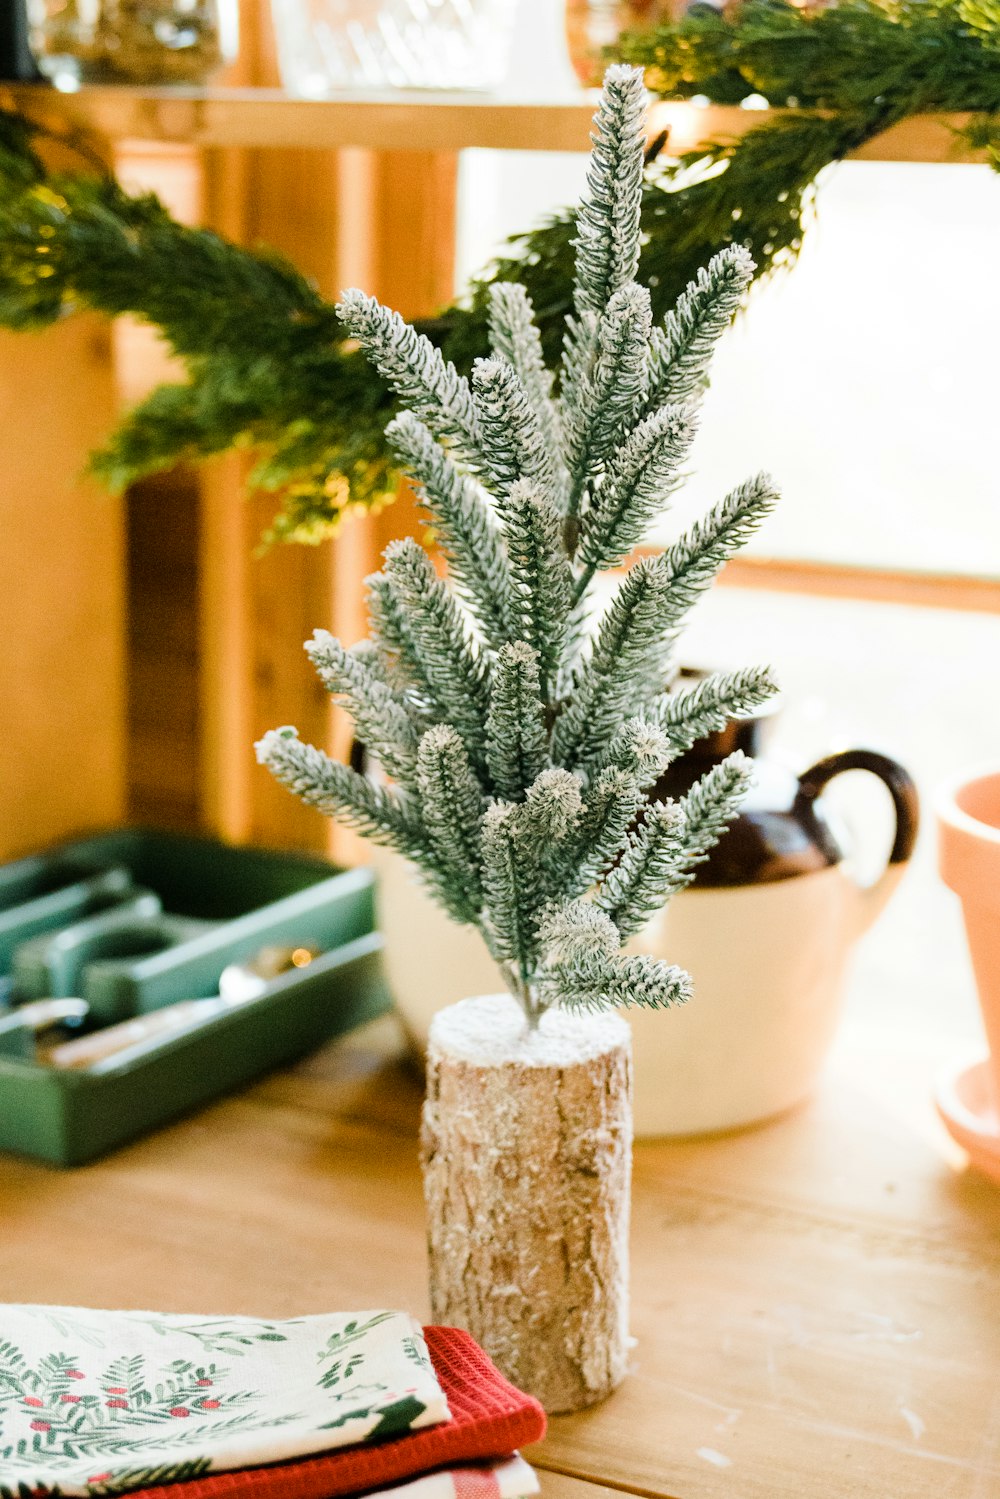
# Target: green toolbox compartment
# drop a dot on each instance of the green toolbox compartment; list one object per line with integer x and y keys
{"x": 45, "y": 893}
{"x": 172, "y": 913}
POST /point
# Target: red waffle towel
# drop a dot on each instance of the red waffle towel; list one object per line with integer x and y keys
{"x": 490, "y": 1418}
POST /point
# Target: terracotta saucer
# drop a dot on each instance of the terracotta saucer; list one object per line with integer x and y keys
{"x": 966, "y": 1101}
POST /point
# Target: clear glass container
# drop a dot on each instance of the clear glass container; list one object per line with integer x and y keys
{"x": 132, "y": 41}
{"x": 325, "y": 46}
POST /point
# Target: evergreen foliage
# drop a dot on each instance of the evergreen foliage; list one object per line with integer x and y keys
{"x": 519, "y": 746}
{"x": 270, "y": 368}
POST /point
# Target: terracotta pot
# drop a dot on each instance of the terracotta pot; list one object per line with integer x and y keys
{"x": 969, "y": 854}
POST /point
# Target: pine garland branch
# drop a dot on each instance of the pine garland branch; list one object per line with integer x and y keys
{"x": 266, "y": 359}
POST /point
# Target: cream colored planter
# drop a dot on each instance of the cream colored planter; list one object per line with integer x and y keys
{"x": 768, "y": 962}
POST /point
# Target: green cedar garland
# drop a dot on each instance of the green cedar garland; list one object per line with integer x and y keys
{"x": 519, "y": 746}
{"x": 266, "y": 358}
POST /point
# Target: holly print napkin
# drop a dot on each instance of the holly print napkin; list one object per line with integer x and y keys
{"x": 95, "y": 1403}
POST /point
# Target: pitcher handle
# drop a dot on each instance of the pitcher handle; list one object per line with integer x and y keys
{"x": 906, "y": 806}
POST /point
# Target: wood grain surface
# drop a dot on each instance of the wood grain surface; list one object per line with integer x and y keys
{"x": 816, "y": 1303}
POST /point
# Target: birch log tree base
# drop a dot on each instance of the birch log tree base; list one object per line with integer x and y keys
{"x": 526, "y": 1150}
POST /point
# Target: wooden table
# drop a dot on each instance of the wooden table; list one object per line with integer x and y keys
{"x": 816, "y": 1303}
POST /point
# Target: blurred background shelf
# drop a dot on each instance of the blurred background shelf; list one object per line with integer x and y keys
{"x": 410, "y": 121}
{"x": 148, "y": 646}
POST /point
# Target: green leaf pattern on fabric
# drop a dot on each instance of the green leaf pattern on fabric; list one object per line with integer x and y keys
{"x": 99, "y": 1403}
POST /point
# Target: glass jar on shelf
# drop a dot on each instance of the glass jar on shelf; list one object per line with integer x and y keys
{"x": 132, "y": 41}
{"x": 325, "y": 46}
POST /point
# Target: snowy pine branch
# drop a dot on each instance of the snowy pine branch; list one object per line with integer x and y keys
{"x": 451, "y": 805}
{"x": 517, "y": 746}
{"x": 516, "y": 339}
{"x": 607, "y": 225}
{"x": 608, "y": 396}
{"x": 642, "y": 748}
{"x": 341, "y": 792}
{"x": 380, "y": 718}
{"x": 635, "y": 982}
{"x": 543, "y": 579}
{"x": 636, "y": 487}
{"x": 584, "y": 970}
{"x": 507, "y": 890}
{"x": 393, "y": 639}
{"x": 464, "y": 526}
{"x": 446, "y": 657}
{"x": 637, "y": 628}
{"x": 610, "y": 807}
{"x": 690, "y": 565}
{"x": 689, "y": 715}
{"x": 431, "y": 388}
{"x": 551, "y": 811}
{"x": 629, "y": 641}
{"x": 660, "y": 856}
{"x": 512, "y": 439}
{"x": 680, "y": 351}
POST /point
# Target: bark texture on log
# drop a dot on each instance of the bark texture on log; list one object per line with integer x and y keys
{"x": 527, "y": 1152}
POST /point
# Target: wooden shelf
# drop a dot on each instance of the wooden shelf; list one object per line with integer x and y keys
{"x": 408, "y": 121}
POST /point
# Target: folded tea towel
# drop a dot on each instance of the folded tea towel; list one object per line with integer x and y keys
{"x": 489, "y": 1419}
{"x": 511, "y": 1479}
{"x": 101, "y": 1402}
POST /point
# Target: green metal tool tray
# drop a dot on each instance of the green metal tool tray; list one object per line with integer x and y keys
{"x": 174, "y": 910}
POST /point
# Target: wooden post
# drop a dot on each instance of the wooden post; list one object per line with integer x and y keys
{"x": 526, "y": 1147}
{"x": 62, "y": 750}
{"x": 62, "y": 616}
{"x": 350, "y": 217}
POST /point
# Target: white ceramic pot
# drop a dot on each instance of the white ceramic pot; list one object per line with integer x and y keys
{"x": 768, "y": 963}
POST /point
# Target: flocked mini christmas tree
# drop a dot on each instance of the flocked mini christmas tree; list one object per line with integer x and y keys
{"x": 520, "y": 727}
{"x": 519, "y": 737}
